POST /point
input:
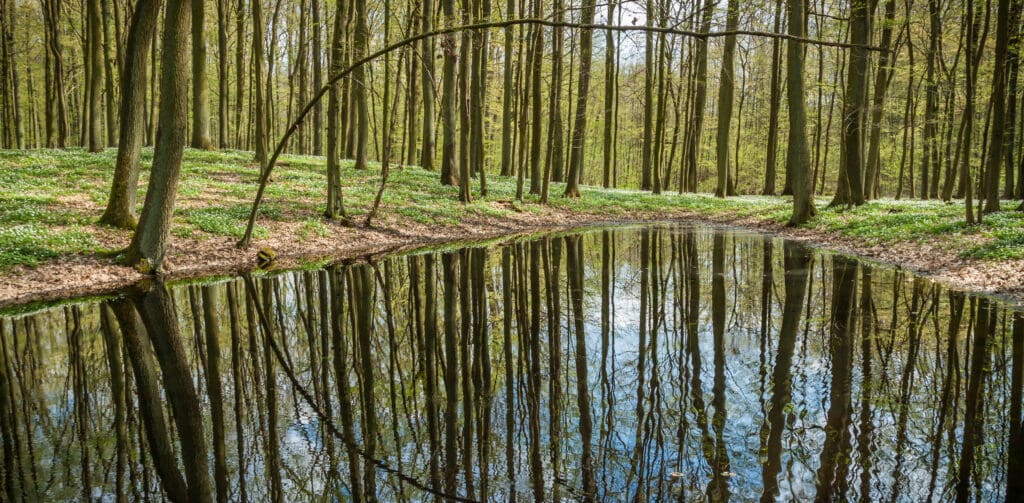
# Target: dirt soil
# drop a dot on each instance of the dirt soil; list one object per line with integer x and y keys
{"x": 82, "y": 275}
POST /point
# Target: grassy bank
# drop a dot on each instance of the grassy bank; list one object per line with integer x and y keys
{"x": 50, "y": 201}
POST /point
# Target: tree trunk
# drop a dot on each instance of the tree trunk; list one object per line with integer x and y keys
{"x": 798, "y": 159}
{"x": 427, "y": 56}
{"x": 994, "y": 160}
{"x": 726, "y": 84}
{"x": 774, "y": 102}
{"x": 120, "y": 210}
{"x": 149, "y": 242}
{"x": 882, "y": 78}
{"x": 579, "y": 129}
{"x": 449, "y": 158}
{"x": 335, "y": 201}
{"x": 850, "y": 188}
{"x": 222, "y": 73}
{"x": 360, "y": 41}
{"x": 94, "y": 57}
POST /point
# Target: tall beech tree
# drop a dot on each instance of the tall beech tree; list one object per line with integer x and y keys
{"x": 798, "y": 156}
{"x": 200, "y": 88}
{"x": 120, "y": 210}
{"x": 726, "y": 88}
{"x": 149, "y": 243}
{"x": 850, "y": 187}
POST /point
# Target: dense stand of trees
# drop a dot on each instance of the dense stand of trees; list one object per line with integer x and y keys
{"x": 911, "y": 98}
{"x": 641, "y": 364}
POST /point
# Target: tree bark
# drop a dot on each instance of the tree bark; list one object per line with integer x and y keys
{"x": 120, "y": 211}
{"x": 798, "y": 159}
{"x": 147, "y": 248}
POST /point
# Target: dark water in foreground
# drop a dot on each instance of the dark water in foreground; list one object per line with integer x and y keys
{"x": 640, "y": 363}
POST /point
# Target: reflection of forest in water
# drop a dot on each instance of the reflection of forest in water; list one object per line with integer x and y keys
{"x": 632, "y": 363}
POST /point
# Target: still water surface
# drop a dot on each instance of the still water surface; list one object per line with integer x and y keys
{"x": 624, "y": 364}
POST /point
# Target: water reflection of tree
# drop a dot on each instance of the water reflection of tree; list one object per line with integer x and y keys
{"x": 585, "y": 366}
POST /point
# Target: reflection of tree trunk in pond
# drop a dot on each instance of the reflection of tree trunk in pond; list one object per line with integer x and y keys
{"x": 150, "y": 403}
{"x": 574, "y": 271}
{"x": 907, "y": 382}
{"x": 974, "y": 402}
{"x": 636, "y": 463}
{"x": 718, "y": 489}
{"x": 506, "y": 326}
{"x": 466, "y": 368}
{"x": 430, "y": 365}
{"x": 1015, "y": 458}
{"x": 397, "y": 377}
{"x": 415, "y": 320}
{"x": 211, "y": 303}
{"x": 693, "y": 343}
{"x": 797, "y": 263}
{"x": 449, "y": 265}
{"x": 76, "y": 360}
{"x": 552, "y": 285}
{"x": 835, "y": 453}
{"x": 17, "y": 386}
{"x": 533, "y": 375}
{"x": 361, "y": 293}
{"x": 653, "y": 426}
{"x": 323, "y": 280}
{"x": 607, "y": 397}
{"x": 865, "y": 449}
{"x": 13, "y": 488}
{"x": 162, "y": 326}
{"x": 956, "y": 311}
{"x": 272, "y": 441}
{"x": 339, "y": 345}
{"x": 236, "y": 379}
{"x": 767, "y": 284}
{"x": 115, "y": 365}
{"x": 482, "y": 366}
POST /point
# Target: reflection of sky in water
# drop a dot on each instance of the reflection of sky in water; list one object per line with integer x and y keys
{"x": 671, "y": 439}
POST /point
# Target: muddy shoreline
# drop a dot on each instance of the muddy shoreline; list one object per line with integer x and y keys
{"x": 78, "y": 276}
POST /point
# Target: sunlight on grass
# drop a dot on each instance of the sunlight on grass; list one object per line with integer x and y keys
{"x": 217, "y": 189}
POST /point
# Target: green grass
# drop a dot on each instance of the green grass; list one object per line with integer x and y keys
{"x": 50, "y": 201}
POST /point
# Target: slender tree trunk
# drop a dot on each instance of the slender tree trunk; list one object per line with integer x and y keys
{"x": 508, "y": 94}
{"x": 259, "y": 99}
{"x": 994, "y": 160}
{"x": 579, "y": 129}
{"x": 449, "y": 156}
{"x": 965, "y": 163}
{"x": 427, "y": 58}
{"x": 774, "y": 102}
{"x": 850, "y": 188}
{"x": 610, "y": 87}
{"x": 120, "y": 210}
{"x": 726, "y": 84}
{"x": 931, "y": 107}
{"x": 94, "y": 58}
{"x": 240, "y": 74}
{"x": 222, "y": 73}
{"x": 536, "y": 62}
{"x": 798, "y": 159}
{"x": 882, "y": 79}
{"x": 109, "y": 74}
{"x": 360, "y": 42}
{"x": 700, "y": 97}
{"x": 335, "y": 201}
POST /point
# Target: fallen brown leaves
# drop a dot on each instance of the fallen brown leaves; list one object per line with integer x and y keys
{"x": 72, "y": 276}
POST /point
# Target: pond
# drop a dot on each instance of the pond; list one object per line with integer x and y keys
{"x": 624, "y": 363}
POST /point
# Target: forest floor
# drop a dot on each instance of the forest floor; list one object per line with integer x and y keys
{"x": 52, "y": 248}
